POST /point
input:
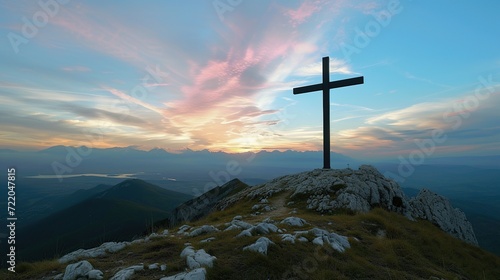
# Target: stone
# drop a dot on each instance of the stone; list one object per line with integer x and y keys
{"x": 430, "y": 206}
{"x": 294, "y": 221}
{"x": 210, "y": 239}
{"x": 188, "y": 251}
{"x": 183, "y": 229}
{"x": 127, "y": 273}
{"x": 95, "y": 274}
{"x": 77, "y": 270}
{"x": 200, "y": 259}
{"x": 153, "y": 266}
{"x": 260, "y": 246}
{"x": 243, "y": 233}
{"x": 241, "y": 224}
{"x": 203, "y": 230}
{"x": 232, "y": 227}
{"x": 163, "y": 267}
{"x": 287, "y": 237}
{"x": 264, "y": 228}
{"x": 108, "y": 247}
{"x": 195, "y": 274}
{"x": 318, "y": 241}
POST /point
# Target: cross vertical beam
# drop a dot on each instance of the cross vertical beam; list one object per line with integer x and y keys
{"x": 326, "y": 113}
{"x": 325, "y": 86}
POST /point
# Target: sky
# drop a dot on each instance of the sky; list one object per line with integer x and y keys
{"x": 219, "y": 75}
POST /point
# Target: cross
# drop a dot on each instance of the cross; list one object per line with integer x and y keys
{"x": 326, "y": 85}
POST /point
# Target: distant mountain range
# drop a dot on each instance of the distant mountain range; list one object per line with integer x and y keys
{"x": 64, "y": 160}
{"x": 97, "y": 215}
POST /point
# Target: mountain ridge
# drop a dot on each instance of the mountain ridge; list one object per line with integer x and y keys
{"x": 299, "y": 226}
{"x": 118, "y": 212}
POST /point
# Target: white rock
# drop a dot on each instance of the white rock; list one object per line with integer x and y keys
{"x": 255, "y": 207}
{"x": 294, "y": 221}
{"x": 95, "y": 274}
{"x": 188, "y": 251}
{"x": 338, "y": 242}
{"x": 200, "y": 259}
{"x": 438, "y": 210}
{"x": 302, "y": 239}
{"x": 195, "y": 274}
{"x": 153, "y": 266}
{"x": 163, "y": 267}
{"x": 77, "y": 270}
{"x": 264, "y": 200}
{"x": 246, "y": 232}
{"x": 108, "y": 247}
{"x": 183, "y": 229}
{"x": 288, "y": 238}
{"x": 165, "y": 232}
{"x": 127, "y": 273}
{"x": 210, "y": 239}
{"x": 318, "y": 241}
{"x": 241, "y": 224}
{"x": 260, "y": 246}
{"x": 239, "y": 217}
{"x": 267, "y": 208}
{"x": 203, "y": 230}
{"x": 264, "y": 228}
{"x": 232, "y": 227}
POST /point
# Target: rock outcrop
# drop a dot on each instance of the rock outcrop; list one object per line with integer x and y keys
{"x": 438, "y": 210}
{"x": 358, "y": 191}
{"x": 202, "y": 205}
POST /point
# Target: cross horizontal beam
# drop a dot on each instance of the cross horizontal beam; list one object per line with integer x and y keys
{"x": 334, "y": 84}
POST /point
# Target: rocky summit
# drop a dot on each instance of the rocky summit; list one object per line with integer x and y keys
{"x": 331, "y": 190}
{"x": 320, "y": 224}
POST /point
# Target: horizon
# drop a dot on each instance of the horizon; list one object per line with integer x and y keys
{"x": 220, "y": 80}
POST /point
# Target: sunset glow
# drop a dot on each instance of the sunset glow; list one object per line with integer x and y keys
{"x": 179, "y": 75}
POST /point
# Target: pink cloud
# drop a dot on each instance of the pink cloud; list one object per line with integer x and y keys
{"x": 303, "y": 12}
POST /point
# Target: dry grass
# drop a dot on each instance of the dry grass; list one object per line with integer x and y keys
{"x": 408, "y": 250}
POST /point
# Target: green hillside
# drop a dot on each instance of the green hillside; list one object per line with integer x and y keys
{"x": 406, "y": 250}
{"x": 126, "y": 210}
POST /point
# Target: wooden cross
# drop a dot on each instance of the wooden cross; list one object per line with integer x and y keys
{"x": 326, "y": 85}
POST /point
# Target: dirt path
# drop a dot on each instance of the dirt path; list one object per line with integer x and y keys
{"x": 278, "y": 202}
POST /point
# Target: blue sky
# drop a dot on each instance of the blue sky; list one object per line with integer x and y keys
{"x": 218, "y": 75}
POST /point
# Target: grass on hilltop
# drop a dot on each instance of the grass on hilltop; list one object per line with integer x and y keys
{"x": 384, "y": 245}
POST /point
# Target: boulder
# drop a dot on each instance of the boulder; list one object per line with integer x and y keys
{"x": 108, "y": 247}
{"x": 203, "y": 230}
{"x": 438, "y": 210}
{"x": 200, "y": 259}
{"x": 337, "y": 242}
{"x": 77, "y": 270}
{"x": 195, "y": 274}
{"x": 294, "y": 221}
{"x": 196, "y": 259}
{"x": 95, "y": 274}
{"x": 127, "y": 273}
{"x": 264, "y": 228}
{"x": 260, "y": 246}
